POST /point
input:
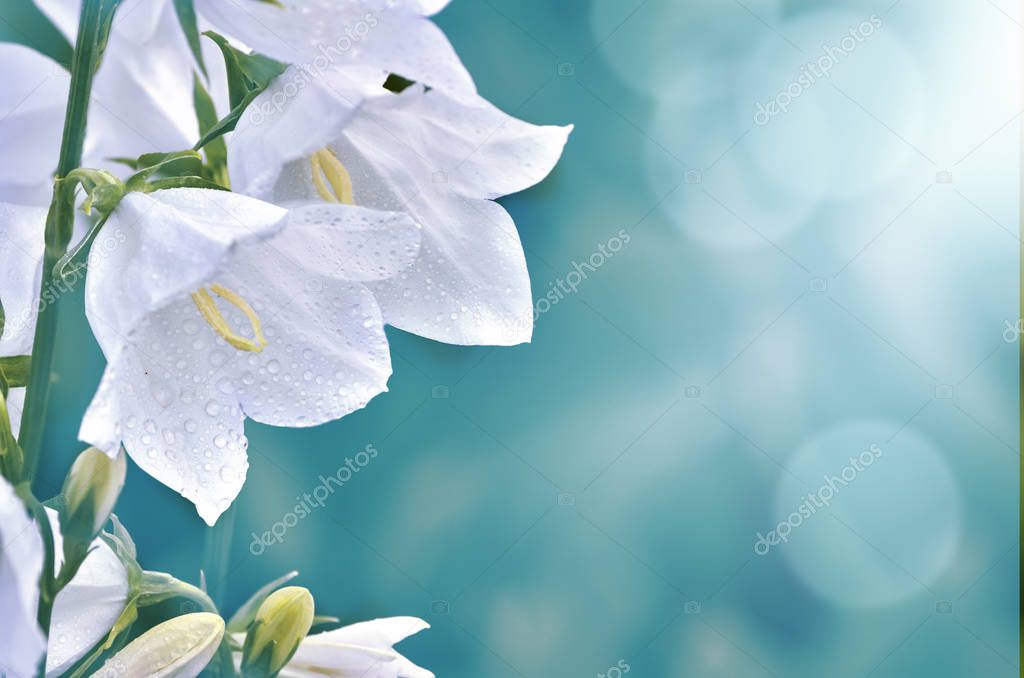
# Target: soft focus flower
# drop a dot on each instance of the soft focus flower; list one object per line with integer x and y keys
{"x": 178, "y": 648}
{"x": 208, "y": 312}
{"x": 388, "y": 36}
{"x": 85, "y": 609}
{"x": 21, "y": 561}
{"x": 142, "y": 94}
{"x": 365, "y": 650}
{"x": 441, "y": 159}
{"x": 21, "y": 251}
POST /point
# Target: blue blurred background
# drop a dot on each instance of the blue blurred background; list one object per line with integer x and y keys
{"x": 807, "y": 265}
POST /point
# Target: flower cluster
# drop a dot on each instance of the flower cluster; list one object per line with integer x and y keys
{"x": 255, "y": 189}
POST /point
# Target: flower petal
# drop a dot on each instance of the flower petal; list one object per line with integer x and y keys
{"x": 350, "y": 243}
{"x": 297, "y": 114}
{"x": 86, "y": 609}
{"x": 32, "y": 103}
{"x": 21, "y": 251}
{"x": 21, "y": 562}
{"x": 169, "y": 243}
{"x": 470, "y": 285}
{"x": 327, "y": 354}
{"x": 388, "y": 36}
{"x": 481, "y": 151}
{"x": 364, "y": 649}
{"x": 163, "y": 399}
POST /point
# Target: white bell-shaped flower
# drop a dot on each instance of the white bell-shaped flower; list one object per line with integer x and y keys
{"x": 85, "y": 610}
{"x": 142, "y": 94}
{"x": 217, "y": 307}
{"x": 441, "y": 159}
{"x": 21, "y": 561}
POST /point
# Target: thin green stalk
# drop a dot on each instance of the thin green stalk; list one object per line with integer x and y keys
{"x": 216, "y": 555}
{"x": 93, "y": 29}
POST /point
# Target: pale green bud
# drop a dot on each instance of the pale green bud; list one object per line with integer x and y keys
{"x": 178, "y": 648}
{"x": 90, "y": 492}
{"x": 281, "y": 623}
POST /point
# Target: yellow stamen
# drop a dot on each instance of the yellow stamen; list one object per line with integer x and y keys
{"x": 331, "y": 178}
{"x": 208, "y": 307}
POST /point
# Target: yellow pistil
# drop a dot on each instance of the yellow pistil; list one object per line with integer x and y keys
{"x": 331, "y": 178}
{"x": 208, "y": 307}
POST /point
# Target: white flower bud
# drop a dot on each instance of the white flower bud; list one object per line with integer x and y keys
{"x": 178, "y": 648}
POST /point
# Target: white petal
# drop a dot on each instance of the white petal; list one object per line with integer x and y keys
{"x": 470, "y": 285}
{"x": 350, "y": 243}
{"x": 86, "y": 609}
{"x": 391, "y": 37}
{"x": 364, "y": 649}
{"x": 327, "y": 354}
{"x": 142, "y": 94}
{"x": 167, "y": 244}
{"x": 142, "y": 97}
{"x": 160, "y": 397}
{"x": 32, "y": 103}
{"x": 482, "y": 151}
{"x": 21, "y": 251}
{"x": 21, "y": 562}
{"x": 298, "y": 114}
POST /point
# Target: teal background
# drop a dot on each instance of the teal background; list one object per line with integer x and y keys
{"x": 791, "y": 294}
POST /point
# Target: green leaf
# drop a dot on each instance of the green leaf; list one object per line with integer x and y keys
{"x": 2, "y": 318}
{"x": 243, "y": 617}
{"x": 186, "y": 10}
{"x": 246, "y": 72}
{"x": 227, "y": 123}
{"x": 12, "y": 459}
{"x": 217, "y": 150}
{"x": 15, "y": 370}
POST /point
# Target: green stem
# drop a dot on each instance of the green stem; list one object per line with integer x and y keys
{"x": 217, "y": 554}
{"x": 93, "y": 29}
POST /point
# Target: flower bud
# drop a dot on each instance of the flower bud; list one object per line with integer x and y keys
{"x": 281, "y": 623}
{"x": 90, "y": 492}
{"x": 178, "y": 648}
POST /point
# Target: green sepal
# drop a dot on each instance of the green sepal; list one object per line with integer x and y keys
{"x": 240, "y": 621}
{"x": 186, "y": 11}
{"x": 165, "y": 165}
{"x": 183, "y": 182}
{"x": 248, "y": 76}
{"x": 12, "y": 459}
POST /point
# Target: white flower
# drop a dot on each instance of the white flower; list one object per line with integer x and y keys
{"x": 441, "y": 159}
{"x": 142, "y": 97}
{"x": 21, "y": 560}
{"x": 389, "y": 36}
{"x": 142, "y": 94}
{"x": 21, "y": 251}
{"x": 85, "y": 610}
{"x": 365, "y": 650}
{"x": 208, "y": 313}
